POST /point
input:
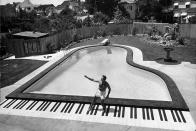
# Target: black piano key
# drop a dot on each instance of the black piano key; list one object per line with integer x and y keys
{"x": 24, "y": 104}
{"x": 17, "y": 104}
{"x": 152, "y": 115}
{"x": 53, "y": 106}
{"x": 40, "y": 105}
{"x": 123, "y": 112}
{"x": 9, "y": 104}
{"x": 148, "y": 115}
{"x": 21, "y": 104}
{"x": 164, "y": 114}
{"x": 182, "y": 116}
{"x": 178, "y": 116}
{"x": 71, "y": 108}
{"x": 119, "y": 111}
{"x": 4, "y": 102}
{"x": 64, "y": 107}
{"x": 174, "y": 118}
{"x": 47, "y": 106}
{"x": 135, "y": 113}
{"x": 115, "y": 111}
{"x": 78, "y": 108}
{"x": 143, "y": 113}
{"x": 30, "y": 105}
{"x": 57, "y": 107}
{"x": 160, "y": 115}
{"x": 24, "y": 101}
{"x": 44, "y": 105}
{"x": 82, "y": 109}
{"x": 96, "y": 109}
{"x": 131, "y": 112}
{"x": 67, "y": 107}
{"x": 33, "y": 105}
{"x": 108, "y": 110}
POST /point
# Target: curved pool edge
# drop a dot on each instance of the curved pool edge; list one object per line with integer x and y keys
{"x": 176, "y": 103}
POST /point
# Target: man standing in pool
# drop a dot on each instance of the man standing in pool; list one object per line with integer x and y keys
{"x": 101, "y": 92}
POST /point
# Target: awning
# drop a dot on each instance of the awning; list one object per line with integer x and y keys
{"x": 176, "y": 4}
{"x": 188, "y": 3}
{"x": 177, "y": 15}
{"x": 183, "y": 13}
{"x": 189, "y": 16}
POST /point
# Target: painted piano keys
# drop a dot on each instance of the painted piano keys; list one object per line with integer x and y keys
{"x": 113, "y": 114}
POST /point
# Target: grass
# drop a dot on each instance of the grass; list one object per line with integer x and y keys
{"x": 152, "y": 52}
{"x": 13, "y": 70}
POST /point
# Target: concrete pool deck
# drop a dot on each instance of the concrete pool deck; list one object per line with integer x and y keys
{"x": 184, "y": 76}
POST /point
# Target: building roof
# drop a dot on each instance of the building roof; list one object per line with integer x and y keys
{"x": 30, "y": 34}
{"x": 25, "y": 3}
{"x": 127, "y": 1}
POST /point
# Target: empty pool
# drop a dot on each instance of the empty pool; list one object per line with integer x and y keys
{"x": 126, "y": 81}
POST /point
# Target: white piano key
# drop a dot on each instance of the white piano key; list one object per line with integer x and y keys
{"x": 60, "y": 107}
{"x": 49, "y": 108}
{"x": 14, "y": 104}
{"x": 4, "y": 101}
{"x": 156, "y": 115}
{"x": 27, "y": 105}
{"x": 34, "y": 108}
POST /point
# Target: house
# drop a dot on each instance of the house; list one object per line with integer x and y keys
{"x": 183, "y": 10}
{"x": 26, "y": 5}
{"x": 74, "y": 5}
{"x": 131, "y": 7}
{"x": 43, "y": 10}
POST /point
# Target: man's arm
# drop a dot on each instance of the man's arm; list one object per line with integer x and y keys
{"x": 90, "y": 79}
{"x": 109, "y": 90}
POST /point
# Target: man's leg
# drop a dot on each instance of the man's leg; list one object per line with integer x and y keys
{"x": 92, "y": 103}
{"x": 103, "y": 104}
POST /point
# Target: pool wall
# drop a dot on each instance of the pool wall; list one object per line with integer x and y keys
{"x": 176, "y": 103}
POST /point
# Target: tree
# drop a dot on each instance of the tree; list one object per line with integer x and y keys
{"x": 88, "y": 21}
{"x": 118, "y": 15}
{"x": 107, "y": 7}
{"x": 148, "y": 9}
{"x": 100, "y": 18}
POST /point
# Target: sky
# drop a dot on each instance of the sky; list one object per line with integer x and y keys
{"x": 36, "y": 2}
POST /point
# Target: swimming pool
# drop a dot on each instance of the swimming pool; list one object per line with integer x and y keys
{"x": 131, "y": 84}
{"x": 126, "y": 81}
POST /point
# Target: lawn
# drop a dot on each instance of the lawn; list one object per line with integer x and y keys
{"x": 13, "y": 70}
{"x": 152, "y": 52}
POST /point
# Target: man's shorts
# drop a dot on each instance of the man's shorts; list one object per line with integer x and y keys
{"x": 101, "y": 94}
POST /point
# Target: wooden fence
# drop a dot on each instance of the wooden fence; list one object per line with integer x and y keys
{"x": 188, "y": 31}
{"x": 144, "y": 28}
{"x": 21, "y": 47}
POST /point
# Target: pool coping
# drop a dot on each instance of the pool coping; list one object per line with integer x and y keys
{"x": 176, "y": 103}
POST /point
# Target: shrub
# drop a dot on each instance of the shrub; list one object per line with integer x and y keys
{"x": 134, "y": 31}
{"x": 181, "y": 41}
{"x": 50, "y": 48}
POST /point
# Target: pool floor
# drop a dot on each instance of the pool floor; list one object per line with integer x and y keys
{"x": 126, "y": 81}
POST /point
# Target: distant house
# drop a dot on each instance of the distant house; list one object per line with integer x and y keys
{"x": 44, "y": 10}
{"x": 183, "y": 10}
{"x": 131, "y": 7}
{"x": 63, "y": 6}
{"x": 74, "y": 5}
{"x": 26, "y": 5}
